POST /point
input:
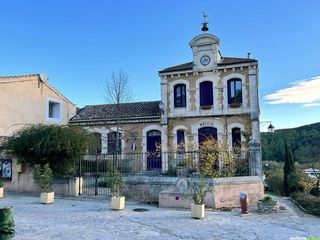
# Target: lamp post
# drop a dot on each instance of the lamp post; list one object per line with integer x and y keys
{"x": 271, "y": 128}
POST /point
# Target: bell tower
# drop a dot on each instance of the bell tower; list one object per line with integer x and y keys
{"x": 205, "y": 48}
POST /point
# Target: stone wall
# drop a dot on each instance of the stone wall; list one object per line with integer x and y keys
{"x": 227, "y": 190}
{"x": 23, "y": 181}
{"x": 224, "y": 192}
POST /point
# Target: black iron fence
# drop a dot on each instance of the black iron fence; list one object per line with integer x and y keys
{"x": 94, "y": 168}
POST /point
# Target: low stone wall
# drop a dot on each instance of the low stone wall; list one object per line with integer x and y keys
{"x": 147, "y": 188}
{"x": 23, "y": 181}
{"x": 224, "y": 192}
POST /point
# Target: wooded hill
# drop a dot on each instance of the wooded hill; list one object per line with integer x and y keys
{"x": 304, "y": 142}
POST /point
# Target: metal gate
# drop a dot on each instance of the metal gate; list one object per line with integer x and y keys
{"x": 93, "y": 170}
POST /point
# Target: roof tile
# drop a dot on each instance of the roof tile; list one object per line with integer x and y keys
{"x": 126, "y": 111}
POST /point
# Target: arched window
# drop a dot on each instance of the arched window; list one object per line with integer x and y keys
{"x": 154, "y": 150}
{"x": 236, "y": 137}
{"x": 206, "y": 133}
{"x": 206, "y": 94}
{"x": 234, "y": 92}
{"x": 180, "y": 95}
{"x": 180, "y": 140}
{"x": 112, "y": 143}
{"x": 99, "y": 142}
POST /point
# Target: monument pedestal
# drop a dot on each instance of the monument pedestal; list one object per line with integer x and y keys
{"x": 180, "y": 197}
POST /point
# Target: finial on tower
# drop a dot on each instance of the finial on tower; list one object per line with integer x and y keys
{"x": 205, "y": 27}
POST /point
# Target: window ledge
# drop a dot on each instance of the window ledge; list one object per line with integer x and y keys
{"x": 178, "y": 108}
{"x": 206, "y": 107}
{"x": 54, "y": 119}
{"x": 235, "y": 105}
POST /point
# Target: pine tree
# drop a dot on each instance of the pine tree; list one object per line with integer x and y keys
{"x": 288, "y": 169}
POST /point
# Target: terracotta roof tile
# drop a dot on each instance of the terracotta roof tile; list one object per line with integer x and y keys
{"x": 108, "y": 112}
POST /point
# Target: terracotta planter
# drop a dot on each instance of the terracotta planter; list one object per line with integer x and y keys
{"x": 47, "y": 198}
{"x": 197, "y": 211}
{"x": 117, "y": 203}
{"x": 1, "y": 192}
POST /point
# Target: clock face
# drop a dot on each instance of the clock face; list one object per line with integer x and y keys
{"x": 205, "y": 60}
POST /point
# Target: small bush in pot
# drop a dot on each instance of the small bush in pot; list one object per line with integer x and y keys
{"x": 199, "y": 193}
{"x": 43, "y": 176}
{"x": 114, "y": 180}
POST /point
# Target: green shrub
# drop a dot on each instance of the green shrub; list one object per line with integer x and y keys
{"x": 60, "y": 146}
{"x": 268, "y": 199}
{"x": 43, "y": 176}
{"x": 114, "y": 181}
{"x": 315, "y": 191}
{"x": 294, "y": 182}
{"x": 274, "y": 179}
{"x": 310, "y": 203}
{"x": 199, "y": 193}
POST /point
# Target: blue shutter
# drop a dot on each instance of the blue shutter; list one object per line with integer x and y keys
{"x": 206, "y": 93}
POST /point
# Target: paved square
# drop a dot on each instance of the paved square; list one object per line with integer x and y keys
{"x": 88, "y": 218}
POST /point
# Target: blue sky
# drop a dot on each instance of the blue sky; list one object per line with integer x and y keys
{"x": 77, "y": 43}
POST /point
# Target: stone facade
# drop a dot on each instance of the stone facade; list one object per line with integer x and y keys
{"x": 234, "y": 105}
{"x": 32, "y": 97}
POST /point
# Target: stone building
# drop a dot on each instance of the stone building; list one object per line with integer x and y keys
{"x": 211, "y": 96}
{"x": 30, "y": 99}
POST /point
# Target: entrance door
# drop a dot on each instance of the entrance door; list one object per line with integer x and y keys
{"x": 153, "y": 150}
{"x": 206, "y": 133}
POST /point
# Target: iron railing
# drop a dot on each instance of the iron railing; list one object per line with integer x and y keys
{"x": 94, "y": 168}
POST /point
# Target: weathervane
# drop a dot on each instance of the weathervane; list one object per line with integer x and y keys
{"x": 205, "y": 22}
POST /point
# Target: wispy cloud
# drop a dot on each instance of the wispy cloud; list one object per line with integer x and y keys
{"x": 306, "y": 92}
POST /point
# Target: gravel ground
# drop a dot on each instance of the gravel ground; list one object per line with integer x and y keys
{"x": 92, "y": 218}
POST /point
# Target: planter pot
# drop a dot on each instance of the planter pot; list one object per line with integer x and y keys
{"x": 264, "y": 207}
{"x": 1, "y": 192}
{"x": 47, "y": 198}
{"x": 18, "y": 168}
{"x": 197, "y": 211}
{"x": 117, "y": 203}
{"x": 6, "y": 223}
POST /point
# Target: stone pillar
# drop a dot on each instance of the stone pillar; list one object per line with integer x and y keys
{"x": 164, "y": 95}
{"x": 164, "y": 148}
{"x": 254, "y": 103}
{"x": 75, "y": 186}
{"x": 255, "y": 158}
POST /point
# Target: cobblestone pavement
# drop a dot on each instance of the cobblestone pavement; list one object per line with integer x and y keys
{"x": 88, "y": 218}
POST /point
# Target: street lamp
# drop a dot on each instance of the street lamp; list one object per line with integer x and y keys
{"x": 271, "y": 128}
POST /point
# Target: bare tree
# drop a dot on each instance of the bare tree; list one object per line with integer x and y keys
{"x": 117, "y": 88}
{"x": 118, "y": 91}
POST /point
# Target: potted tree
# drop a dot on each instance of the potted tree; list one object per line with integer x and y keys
{"x": 43, "y": 176}
{"x": 1, "y": 186}
{"x": 114, "y": 181}
{"x": 198, "y": 207}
